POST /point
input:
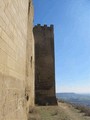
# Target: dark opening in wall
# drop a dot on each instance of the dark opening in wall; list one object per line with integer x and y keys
{"x": 31, "y": 61}
{"x": 27, "y": 97}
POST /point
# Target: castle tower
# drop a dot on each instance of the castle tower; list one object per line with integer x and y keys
{"x": 44, "y": 65}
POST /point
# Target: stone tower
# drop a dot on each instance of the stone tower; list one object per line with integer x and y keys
{"x": 44, "y": 65}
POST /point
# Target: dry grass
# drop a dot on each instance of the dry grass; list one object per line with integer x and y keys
{"x": 83, "y": 109}
{"x": 64, "y": 111}
{"x": 33, "y": 114}
{"x": 51, "y": 113}
{"x": 32, "y": 110}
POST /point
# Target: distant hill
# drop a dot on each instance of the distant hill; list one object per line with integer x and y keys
{"x": 83, "y": 99}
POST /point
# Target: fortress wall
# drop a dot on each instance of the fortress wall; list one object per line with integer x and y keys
{"x": 44, "y": 65}
{"x": 13, "y": 53}
{"x": 30, "y": 58}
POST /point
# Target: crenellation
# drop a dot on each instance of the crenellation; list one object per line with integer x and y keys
{"x": 51, "y": 26}
{"x": 44, "y": 26}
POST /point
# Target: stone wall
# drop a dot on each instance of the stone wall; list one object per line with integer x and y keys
{"x": 14, "y": 19}
{"x": 30, "y": 58}
{"x": 44, "y": 65}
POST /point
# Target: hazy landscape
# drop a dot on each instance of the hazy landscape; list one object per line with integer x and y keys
{"x": 81, "y": 99}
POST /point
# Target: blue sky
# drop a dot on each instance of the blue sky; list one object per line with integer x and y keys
{"x": 71, "y": 19}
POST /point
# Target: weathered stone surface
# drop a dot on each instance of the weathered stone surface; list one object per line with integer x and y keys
{"x": 16, "y": 17}
{"x": 44, "y": 65}
{"x": 30, "y": 75}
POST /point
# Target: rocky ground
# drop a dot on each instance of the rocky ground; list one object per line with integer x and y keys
{"x": 63, "y": 111}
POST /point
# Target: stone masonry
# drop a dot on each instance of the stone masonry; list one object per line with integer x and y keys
{"x": 44, "y": 65}
{"x": 16, "y": 59}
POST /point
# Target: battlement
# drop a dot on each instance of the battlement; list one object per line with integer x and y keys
{"x": 44, "y": 26}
